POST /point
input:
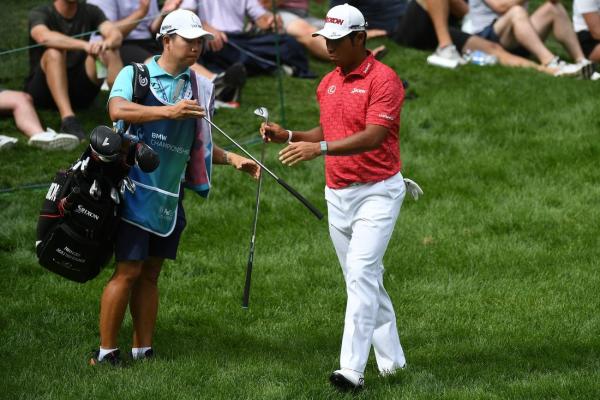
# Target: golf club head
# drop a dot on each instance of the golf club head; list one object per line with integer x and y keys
{"x": 263, "y": 113}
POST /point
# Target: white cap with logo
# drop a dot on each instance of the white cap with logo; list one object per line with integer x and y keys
{"x": 341, "y": 21}
{"x": 184, "y": 23}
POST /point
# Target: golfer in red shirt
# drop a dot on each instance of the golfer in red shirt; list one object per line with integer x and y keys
{"x": 360, "y": 104}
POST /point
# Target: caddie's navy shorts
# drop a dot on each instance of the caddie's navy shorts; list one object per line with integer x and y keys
{"x": 135, "y": 244}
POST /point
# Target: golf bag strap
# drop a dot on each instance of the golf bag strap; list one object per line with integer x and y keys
{"x": 141, "y": 86}
{"x": 141, "y": 82}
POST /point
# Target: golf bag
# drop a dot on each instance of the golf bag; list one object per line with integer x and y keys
{"x": 80, "y": 214}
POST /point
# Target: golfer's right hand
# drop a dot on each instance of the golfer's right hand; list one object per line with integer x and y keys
{"x": 186, "y": 109}
{"x": 272, "y": 132}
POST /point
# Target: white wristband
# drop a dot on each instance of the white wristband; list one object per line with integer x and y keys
{"x": 289, "y": 135}
{"x": 226, "y": 156}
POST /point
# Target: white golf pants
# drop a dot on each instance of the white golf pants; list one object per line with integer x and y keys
{"x": 361, "y": 222}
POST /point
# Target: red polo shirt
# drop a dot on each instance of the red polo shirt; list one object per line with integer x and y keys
{"x": 372, "y": 94}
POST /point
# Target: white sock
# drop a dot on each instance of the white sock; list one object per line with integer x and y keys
{"x": 139, "y": 352}
{"x": 104, "y": 352}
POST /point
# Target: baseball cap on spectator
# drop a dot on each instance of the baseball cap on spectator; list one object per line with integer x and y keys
{"x": 341, "y": 21}
{"x": 185, "y": 24}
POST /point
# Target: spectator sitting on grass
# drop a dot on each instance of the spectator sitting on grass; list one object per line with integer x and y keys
{"x": 63, "y": 69}
{"x": 586, "y": 20}
{"x": 256, "y": 49}
{"x": 20, "y": 105}
{"x": 384, "y": 16}
{"x": 299, "y": 24}
{"x": 508, "y": 22}
{"x": 429, "y": 24}
{"x": 139, "y": 21}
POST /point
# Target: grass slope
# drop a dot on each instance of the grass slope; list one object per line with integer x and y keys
{"x": 493, "y": 273}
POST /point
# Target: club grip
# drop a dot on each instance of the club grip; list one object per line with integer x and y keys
{"x": 303, "y": 200}
{"x": 246, "y": 297}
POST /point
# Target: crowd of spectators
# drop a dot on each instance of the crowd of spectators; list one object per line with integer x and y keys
{"x": 68, "y": 70}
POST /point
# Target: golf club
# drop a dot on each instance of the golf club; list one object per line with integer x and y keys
{"x": 287, "y": 187}
{"x": 264, "y": 114}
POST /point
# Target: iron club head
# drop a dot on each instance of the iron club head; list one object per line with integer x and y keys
{"x": 263, "y": 113}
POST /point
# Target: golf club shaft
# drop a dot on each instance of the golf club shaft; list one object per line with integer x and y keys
{"x": 287, "y": 187}
{"x": 246, "y": 298}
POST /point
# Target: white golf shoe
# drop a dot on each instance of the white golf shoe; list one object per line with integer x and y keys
{"x": 347, "y": 380}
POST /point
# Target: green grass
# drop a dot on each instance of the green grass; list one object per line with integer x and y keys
{"x": 493, "y": 273}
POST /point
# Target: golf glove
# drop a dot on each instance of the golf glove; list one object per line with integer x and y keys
{"x": 413, "y": 188}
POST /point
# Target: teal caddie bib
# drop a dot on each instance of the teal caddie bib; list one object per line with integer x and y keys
{"x": 153, "y": 206}
{"x": 184, "y": 146}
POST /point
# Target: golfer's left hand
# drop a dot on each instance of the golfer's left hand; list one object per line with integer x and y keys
{"x": 299, "y": 151}
{"x": 244, "y": 164}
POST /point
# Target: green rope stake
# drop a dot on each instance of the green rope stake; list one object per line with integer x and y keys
{"x": 279, "y": 69}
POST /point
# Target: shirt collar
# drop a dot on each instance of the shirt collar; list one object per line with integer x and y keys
{"x": 363, "y": 69}
{"x": 155, "y": 70}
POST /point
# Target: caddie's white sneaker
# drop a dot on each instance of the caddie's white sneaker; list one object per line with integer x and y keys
{"x": 446, "y": 57}
{"x": 347, "y": 380}
{"x": 6, "y": 142}
{"x": 595, "y": 76}
{"x": 50, "y": 140}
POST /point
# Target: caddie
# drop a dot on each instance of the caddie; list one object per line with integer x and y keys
{"x": 168, "y": 119}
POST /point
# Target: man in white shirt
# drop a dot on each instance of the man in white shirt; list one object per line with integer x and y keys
{"x": 586, "y": 20}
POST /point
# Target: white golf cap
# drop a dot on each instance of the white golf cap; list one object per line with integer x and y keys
{"x": 184, "y": 23}
{"x": 342, "y": 20}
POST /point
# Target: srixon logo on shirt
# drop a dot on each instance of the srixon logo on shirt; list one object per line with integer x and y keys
{"x": 336, "y": 21}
